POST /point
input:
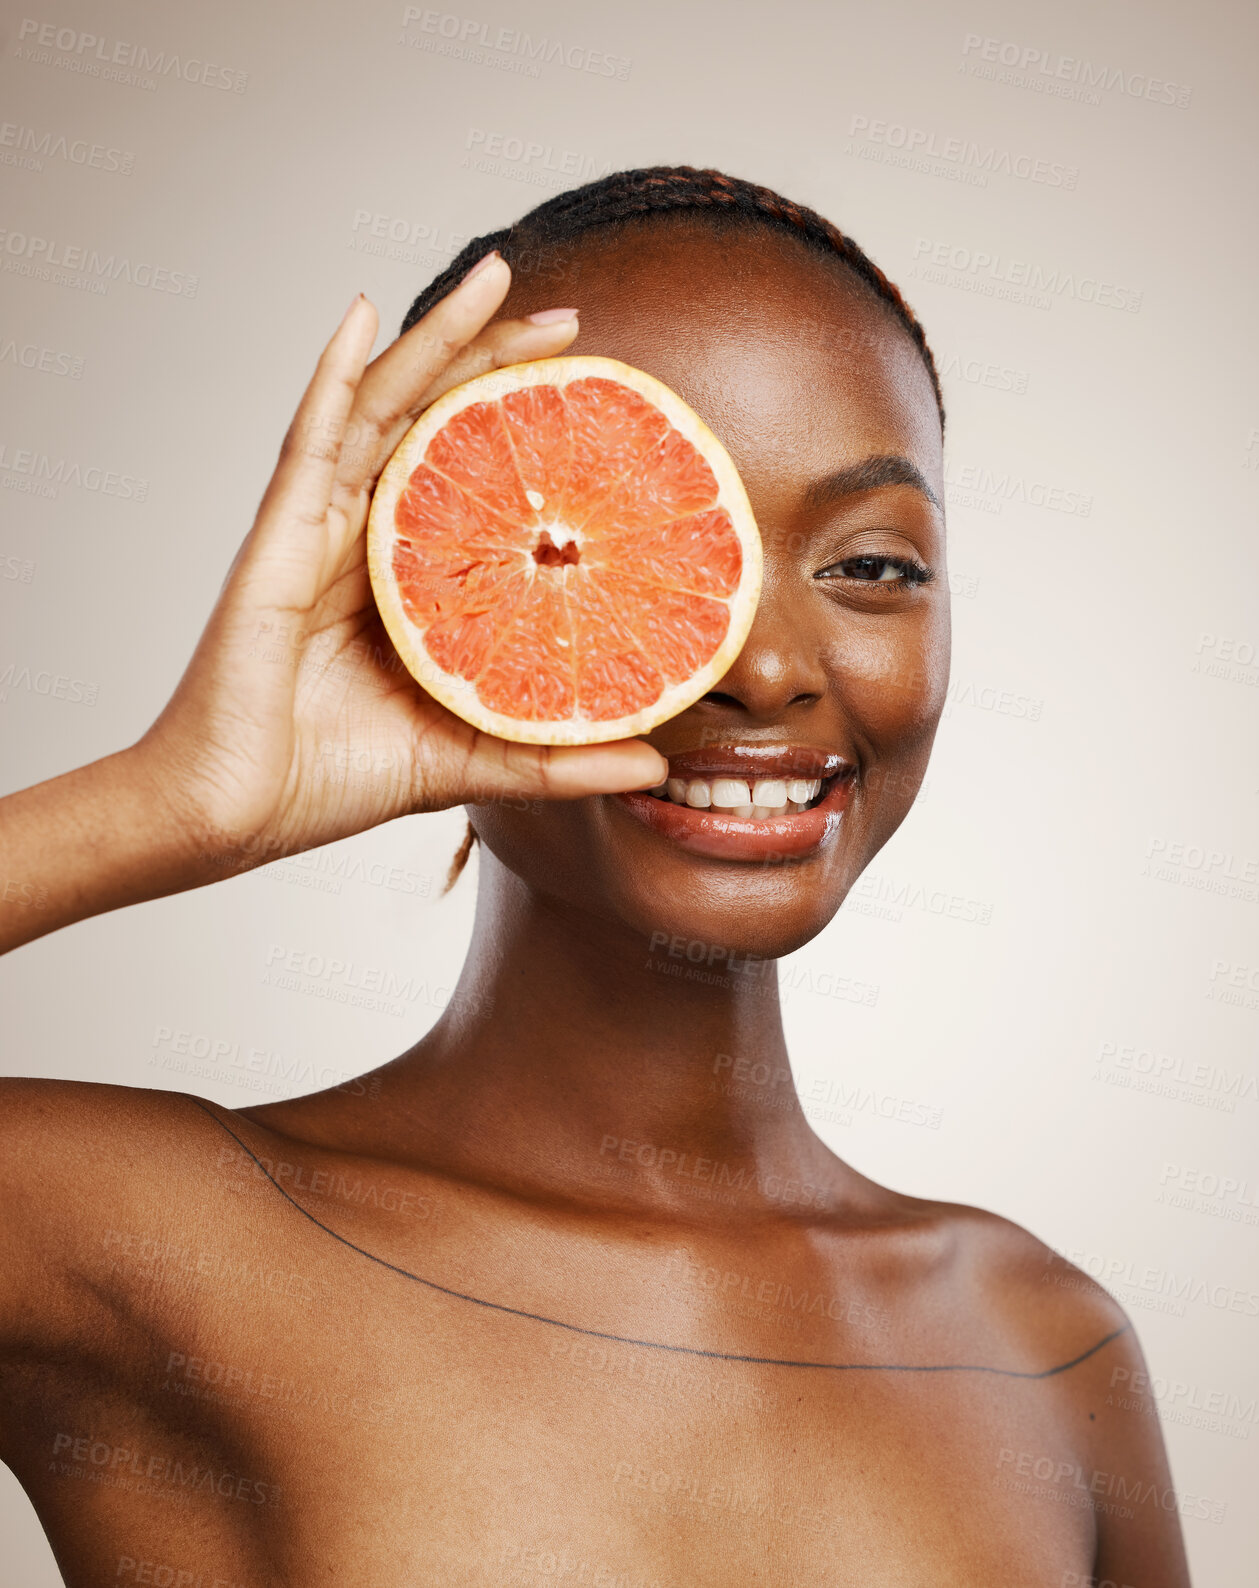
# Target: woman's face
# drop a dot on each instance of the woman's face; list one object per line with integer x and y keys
{"x": 804, "y": 378}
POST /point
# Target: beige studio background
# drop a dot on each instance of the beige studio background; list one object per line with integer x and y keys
{"x": 1043, "y": 997}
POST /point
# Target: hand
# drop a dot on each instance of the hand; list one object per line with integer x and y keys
{"x": 296, "y": 723}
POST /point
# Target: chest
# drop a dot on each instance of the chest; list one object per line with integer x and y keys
{"x": 353, "y": 1435}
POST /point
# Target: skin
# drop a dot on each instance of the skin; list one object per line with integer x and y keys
{"x": 176, "y": 1280}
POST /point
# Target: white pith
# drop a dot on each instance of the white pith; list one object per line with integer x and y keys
{"x": 456, "y": 693}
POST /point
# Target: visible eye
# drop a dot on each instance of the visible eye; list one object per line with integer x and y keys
{"x": 875, "y": 568}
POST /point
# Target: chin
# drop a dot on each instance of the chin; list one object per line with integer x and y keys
{"x": 662, "y": 899}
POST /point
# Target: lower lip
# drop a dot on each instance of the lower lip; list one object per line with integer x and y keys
{"x": 736, "y": 838}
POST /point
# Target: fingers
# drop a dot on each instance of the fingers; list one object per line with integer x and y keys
{"x": 576, "y": 770}
{"x": 308, "y": 456}
{"x": 561, "y": 772}
{"x": 449, "y": 345}
{"x": 297, "y": 496}
{"x": 395, "y": 381}
{"x": 505, "y": 342}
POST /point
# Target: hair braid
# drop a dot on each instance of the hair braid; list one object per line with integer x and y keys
{"x": 657, "y": 190}
{"x": 662, "y": 189}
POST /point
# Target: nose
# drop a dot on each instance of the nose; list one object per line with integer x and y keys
{"x": 779, "y": 670}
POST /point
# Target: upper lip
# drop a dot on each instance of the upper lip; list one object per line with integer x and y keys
{"x": 759, "y": 761}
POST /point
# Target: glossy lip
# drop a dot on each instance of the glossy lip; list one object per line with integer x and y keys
{"x": 758, "y": 760}
{"x": 788, "y": 837}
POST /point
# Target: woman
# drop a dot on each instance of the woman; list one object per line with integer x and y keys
{"x": 556, "y": 1295}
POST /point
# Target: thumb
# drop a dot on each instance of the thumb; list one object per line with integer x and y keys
{"x": 575, "y": 771}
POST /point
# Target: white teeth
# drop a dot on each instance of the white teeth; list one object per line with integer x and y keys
{"x": 729, "y": 793}
{"x": 761, "y": 800}
{"x": 768, "y": 792}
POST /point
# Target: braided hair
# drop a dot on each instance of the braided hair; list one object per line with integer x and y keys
{"x": 539, "y": 237}
{"x": 663, "y": 189}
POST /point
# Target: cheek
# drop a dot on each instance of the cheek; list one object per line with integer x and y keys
{"x": 893, "y": 679}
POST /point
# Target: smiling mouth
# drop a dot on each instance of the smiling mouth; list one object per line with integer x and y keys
{"x": 748, "y": 802}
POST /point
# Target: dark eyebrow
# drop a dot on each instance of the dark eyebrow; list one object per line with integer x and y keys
{"x": 868, "y": 475}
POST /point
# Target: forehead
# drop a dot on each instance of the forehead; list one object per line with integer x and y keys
{"x": 793, "y": 364}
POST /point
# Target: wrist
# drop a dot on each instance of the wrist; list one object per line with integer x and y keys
{"x": 95, "y": 839}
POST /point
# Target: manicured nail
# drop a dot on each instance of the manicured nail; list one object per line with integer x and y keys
{"x": 482, "y": 264}
{"x": 551, "y": 316}
{"x": 358, "y": 298}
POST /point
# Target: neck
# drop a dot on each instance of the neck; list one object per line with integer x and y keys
{"x": 577, "y": 1054}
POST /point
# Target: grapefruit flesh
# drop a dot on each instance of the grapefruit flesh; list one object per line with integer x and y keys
{"x": 563, "y": 553}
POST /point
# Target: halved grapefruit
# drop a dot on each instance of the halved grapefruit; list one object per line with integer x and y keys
{"x": 563, "y": 553}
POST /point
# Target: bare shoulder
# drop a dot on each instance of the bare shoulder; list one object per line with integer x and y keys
{"x": 1054, "y": 1322}
{"x": 1047, "y": 1309}
{"x": 83, "y": 1167}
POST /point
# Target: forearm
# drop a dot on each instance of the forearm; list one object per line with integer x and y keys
{"x": 95, "y": 839}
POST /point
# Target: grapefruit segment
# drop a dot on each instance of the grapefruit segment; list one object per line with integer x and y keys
{"x": 701, "y": 553}
{"x": 615, "y": 678}
{"x": 537, "y": 428}
{"x": 563, "y": 553}
{"x": 672, "y": 482}
{"x": 473, "y": 450}
{"x": 529, "y": 673}
{"x": 612, "y": 428}
{"x": 677, "y": 630}
{"x": 460, "y": 641}
{"x": 434, "y": 509}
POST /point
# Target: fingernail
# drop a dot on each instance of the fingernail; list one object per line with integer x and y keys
{"x": 551, "y": 316}
{"x": 658, "y": 777}
{"x": 358, "y": 298}
{"x": 482, "y": 264}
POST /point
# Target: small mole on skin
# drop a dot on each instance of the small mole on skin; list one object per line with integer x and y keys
{"x": 1092, "y": 1419}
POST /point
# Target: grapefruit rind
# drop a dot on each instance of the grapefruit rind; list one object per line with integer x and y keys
{"x": 458, "y": 694}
